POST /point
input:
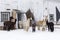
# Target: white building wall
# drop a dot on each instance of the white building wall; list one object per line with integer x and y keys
{"x": 51, "y": 7}
{"x": 1, "y": 23}
{"x": 37, "y": 7}
{"x": 7, "y": 4}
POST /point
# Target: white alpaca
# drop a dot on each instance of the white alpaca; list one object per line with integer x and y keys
{"x": 26, "y": 24}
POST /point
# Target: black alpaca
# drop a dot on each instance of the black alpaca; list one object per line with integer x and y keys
{"x": 33, "y": 26}
{"x": 50, "y": 26}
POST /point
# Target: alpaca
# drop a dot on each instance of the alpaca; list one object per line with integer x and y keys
{"x": 50, "y": 26}
{"x": 41, "y": 24}
{"x": 26, "y": 24}
{"x": 9, "y": 24}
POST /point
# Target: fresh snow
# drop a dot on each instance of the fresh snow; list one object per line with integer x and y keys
{"x": 20, "y": 34}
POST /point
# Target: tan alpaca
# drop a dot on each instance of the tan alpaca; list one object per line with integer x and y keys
{"x": 41, "y": 25}
{"x": 44, "y": 25}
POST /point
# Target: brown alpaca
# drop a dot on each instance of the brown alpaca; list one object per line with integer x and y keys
{"x": 9, "y": 24}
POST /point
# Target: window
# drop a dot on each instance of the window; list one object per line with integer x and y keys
{"x": 51, "y": 17}
{"x": 5, "y": 16}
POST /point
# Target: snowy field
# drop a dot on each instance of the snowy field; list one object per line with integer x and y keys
{"x": 20, "y": 34}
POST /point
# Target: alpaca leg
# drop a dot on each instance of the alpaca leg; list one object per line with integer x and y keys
{"x": 8, "y": 28}
{"x": 33, "y": 29}
{"x": 27, "y": 29}
{"x": 48, "y": 27}
{"x": 27, "y": 25}
{"x": 52, "y": 28}
{"x": 43, "y": 28}
{"x": 38, "y": 27}
{"x": 20, "y": 24}
{"x": 24, "y": 26}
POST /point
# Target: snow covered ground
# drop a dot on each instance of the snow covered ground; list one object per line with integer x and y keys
{"x": 20, "y": 34}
